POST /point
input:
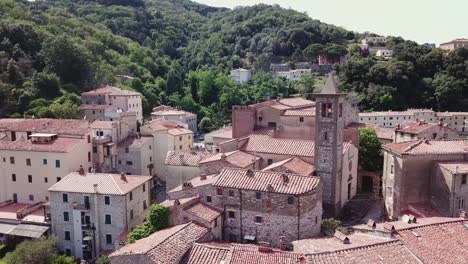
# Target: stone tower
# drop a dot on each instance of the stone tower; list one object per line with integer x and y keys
{"x": 329, "y": 125}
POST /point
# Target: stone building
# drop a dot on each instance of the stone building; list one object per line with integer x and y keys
{"x": 182, "y": 166}
{"x": 420, "y": 130}
{"x": 90, "y": 210}
{"x": 413, "y": 176}
{"x": 122, "y": 100}
{"x": 135, "y": 155}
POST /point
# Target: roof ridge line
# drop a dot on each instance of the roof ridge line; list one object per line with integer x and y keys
{"x": 455, "y": 220}
{"x": 396, "y": 240}
{"x": 118, "y": 187}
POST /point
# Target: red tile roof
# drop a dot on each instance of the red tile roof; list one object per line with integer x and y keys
{"x": 163, "y": 247}
{"x": 60, "y": 144}
{"x": 103, "y": 124}
{"x": 443, "y": 243}
{"x": 134, "y": 142}
{"x": 281, "y": 146}
{"x": 429, "y": 147}
{"x": 207, "y": 253}
{"x": 294, "y": 165}
{"x": 204, "y": 211}
{"x": 186, "y": 158}
{"x": 300, "y": 112}
{"x": 106, "y": 183}
{"x": 179, "y": 131}
{"x": 197, "y": 182}
{"x": 415, "y": 127}
{"x": 383, "y": 253}
{"x": 236, "y": 158}
{"x": 251, "y": 254}
{"x": 46, "y": 125}
{"x": 266, "y": 181}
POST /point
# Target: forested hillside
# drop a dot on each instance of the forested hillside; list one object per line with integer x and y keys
{"x": 180, "y": 53}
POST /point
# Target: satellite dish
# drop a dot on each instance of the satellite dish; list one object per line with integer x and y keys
{"x": 405, "y": 218}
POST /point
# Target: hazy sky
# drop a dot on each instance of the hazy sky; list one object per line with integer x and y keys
{"x": 432, "y": 21}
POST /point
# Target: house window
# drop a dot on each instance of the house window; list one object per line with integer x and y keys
{"x": 326, "y": 110}
{"x": 231, "y": 193}
{"x": 463, "y": 179}
{"x": 341, "y": 110}
{"x": 127, "y": 150}
{"x": 145, "y": 205}
{"x": 144, "y": 187}
{"x": 120, "y": 162}
{"x": 89, "y": 156}
{"x": 180, "y": 147}
{"x": 290, "y": 199}
{"x": 12, "y": 160}
{"x": 129, "y": 162}
{"x": 108, "y": 219}
{"x": 461, "y": 203}
{"x": 30, "y": 178}
{"x": 391, "y": 169}
{"x": 219, "y": 191}
{"x": 28, "y": 162}
{"x": 131, "y": 214}
{"x": 260, "y": 119}
{"x": 270, "y": 161}
{"x": 301, "y": 119}
{"x": 258, "y": 195}
{"x": 15, "y": 197}
{"x": 57, "y": 163}
{"x": 108, "y": 239}
{"x": 46, "y": 180}
{"x": 66, "y": 216}
{"x": 44, "y": 161}
{"x": 13, "y": 177}
{"x": 94, "y": 149}
{"x": 65, "y": 198}
{"x": 68, "y": 252}
{"x": 31, "y": 197}
{"x": 89, "y": 138}
{"x": 131, "y": 196}
{"x": 208, "y": 199}
{"x": 231, "y": 214}
{"x": 258, "y": 219}
{"x": 58, "y": 179}
{"x": 67, "y": 235}
{"x": 325, "y": 136}
{"x": 107, "y": 200}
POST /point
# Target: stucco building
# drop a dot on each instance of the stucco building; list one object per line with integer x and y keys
{"x": 122, "y": 100}
{"x": 241, "y": 76}
{"x": 170, "y": 113}
{"x": 454, "y": 44}
{"x": 89, "y": 211}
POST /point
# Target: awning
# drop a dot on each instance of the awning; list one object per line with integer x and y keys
{"x": 24, "y": 230}
{"x": 6, "y": 228}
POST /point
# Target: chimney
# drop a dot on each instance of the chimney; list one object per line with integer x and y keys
{"x": 123, "y": 177}
{"x": 371, "y": 223}
{"x": 81, "y": 171}
{"x": 389, "y": 227}
{"x": 342, "y": 237}
{"x": 463, "y": 214}
{"x": 250, "y": 173}
{"x": 95, "y": 187}
{"x": 223, "y": 156}
{"x": 270, "y": 188}
{"x": 285, "y": 178}
{"x": 93, "y": 170}
{"x": 202, "y": 176}
{"x": 302, "y": 260}
{"x": 283, "y": 243}
{"x": 176, "y": 202}
{"x": 264, "y": 247}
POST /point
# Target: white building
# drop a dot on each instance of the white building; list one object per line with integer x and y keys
{"x": 375, "y": 39}
{"x": 241, "y": 75}
{"x": 90, "y": 212}
{"x": 293, "y": 75}
{"x": 36, "y": 153}
{"x": 384, "y": 53}
{"x": 170, "y": 113}
{"x": 123, "y": 100}
{"x": 454, "y": 44}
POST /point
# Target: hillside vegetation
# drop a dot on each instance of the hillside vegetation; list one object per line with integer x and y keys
{"x": 180, "y": 53}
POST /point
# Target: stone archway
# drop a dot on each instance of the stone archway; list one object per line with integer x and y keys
{"x": 369, "y": 183}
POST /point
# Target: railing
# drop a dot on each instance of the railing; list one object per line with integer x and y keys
{"x": 7, "y": 202}
{"x": 25, "y": 211}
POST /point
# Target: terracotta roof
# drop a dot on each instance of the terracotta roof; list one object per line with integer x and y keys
{"x": 179, "y": 131}
{"x": 60, "y": 144}
{"x": 384, "y": 253}
{"x": 163, "y": 247}
{"x": 103, "y": 124}
{"x": 197, "y": 182}
{"x": 46, "y": 125}
{"x": 454, "y": 166}
{"x": 106, "y": 183}
{"x": 413, "y": 127}
{"x": 251, "y": 254}
{"x": 327, "y": 244}
{"x": 296, "y": 102}
{"x": 282, "y": 146}
{"x": 204, "y": 211}
{"x": 294, "y": 165}
{"x": 428, "y": 147}
{"x": 186, "y": 158}
{"x": 444, "y": 243}
{"x": 300, "y": 112}
{"x": 174, "y": 112}
{"x": 237, "y": 158}
{"x": 182, "y": 201}
{"x": 114, "y": 91}
{"x": 133, "y": 142}
{"x": 207, "y": 253}
{"x": 266, "y": 181}
{"x": 224, "y": 132}
{"x": 161, "y": 124}
{"x": 96, "y": 107}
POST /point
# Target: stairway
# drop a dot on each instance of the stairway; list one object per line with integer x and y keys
{"x": 356, "y": 209}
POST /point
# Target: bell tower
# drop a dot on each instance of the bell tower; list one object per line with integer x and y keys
{"x": 329, "y": 125}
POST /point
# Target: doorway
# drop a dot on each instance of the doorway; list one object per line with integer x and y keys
{"x": 367, "y": 184}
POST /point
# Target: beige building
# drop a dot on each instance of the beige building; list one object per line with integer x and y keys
{"x": 90, "y": 211}
{"x": 241, "y": 76}
{"x": 170, "y": 113}
{"x": 37, "y": 153}
{"x": 454, "y": 44}
{"x": 135, "y": 155}
{"x": 384, "y": 53}
{"x": 122, "y": 100}
{"x": 167, "y": 136}
{"x": 182, "y": 166}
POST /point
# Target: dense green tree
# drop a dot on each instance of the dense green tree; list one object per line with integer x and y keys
{"x": 48, "y": 84}
{"x": 38, "y": 251}
{"x": 370, "y": 156}
{"x": 313, "y": 51}
{"x": 156, "y": 219}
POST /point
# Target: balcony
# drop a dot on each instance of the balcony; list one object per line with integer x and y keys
{"x": 81, "y": 207}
